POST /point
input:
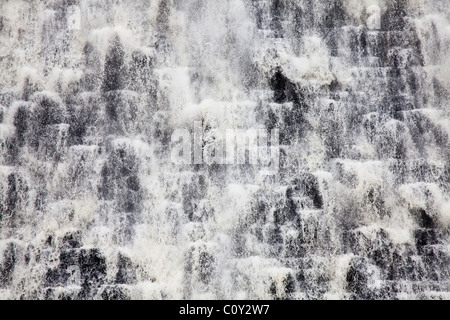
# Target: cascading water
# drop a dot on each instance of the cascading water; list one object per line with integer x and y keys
{"x": 93, "y": 207}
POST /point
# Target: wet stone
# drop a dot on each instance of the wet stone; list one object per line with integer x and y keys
{"x": 114, "y": 293}
{"x": 126, "y": 273}
{"x": 72, "y": 240}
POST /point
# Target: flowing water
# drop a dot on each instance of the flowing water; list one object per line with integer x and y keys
{"x": 93, "y": 207}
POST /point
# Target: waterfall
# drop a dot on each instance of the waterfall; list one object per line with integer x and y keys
{"x": 350, "y": 98}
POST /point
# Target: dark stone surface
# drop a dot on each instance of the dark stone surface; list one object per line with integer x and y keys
{"x": 8, "y": 265}
{"x": 114, "y": 71}
{"x": 126, "y": 273}
{"x": 359, "y": 133}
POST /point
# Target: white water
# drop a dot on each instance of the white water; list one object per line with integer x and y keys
{"x": 92, "y": 207}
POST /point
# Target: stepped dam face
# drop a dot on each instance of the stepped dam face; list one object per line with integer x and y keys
{"x": 224, "y": 149}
